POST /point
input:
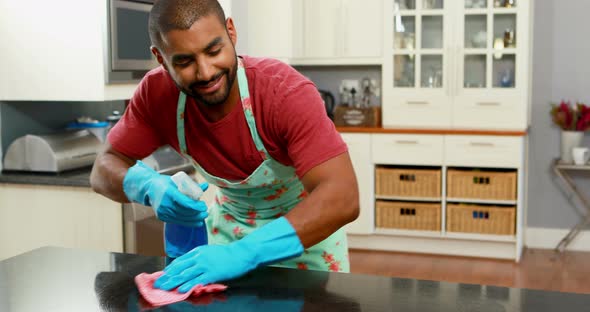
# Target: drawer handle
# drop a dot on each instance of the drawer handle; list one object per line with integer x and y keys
{"x": 407, "y": 211}
{"x": 407, "y": 177}
{"x": 418, "y": 103}
{"x": 481, "y": 144}
{"x": 409, "y": 142}
{"x": 481, "y": 180}
{"x": 480, "y": 214}
{"x": 488, "y": 103}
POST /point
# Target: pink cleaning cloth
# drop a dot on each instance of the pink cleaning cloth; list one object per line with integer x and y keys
{"x": 157, "y": 297}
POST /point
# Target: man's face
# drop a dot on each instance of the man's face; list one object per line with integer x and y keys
{"x": 202, "y": 60}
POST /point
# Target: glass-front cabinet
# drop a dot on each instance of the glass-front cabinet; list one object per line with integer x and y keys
{"x": 417, "y": 62}
{"x": 457, "y": 64}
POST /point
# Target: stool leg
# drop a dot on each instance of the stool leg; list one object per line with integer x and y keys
{"x": 570, "y": 184}
{"x": 572, "y": 234}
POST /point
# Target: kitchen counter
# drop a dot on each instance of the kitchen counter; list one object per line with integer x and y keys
{"x": 77, "y": 178}
{"x": 56, "y": 279}
{"x": 430, "y": 131}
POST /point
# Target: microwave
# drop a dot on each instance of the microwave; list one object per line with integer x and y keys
{"x": 129, "y": 55}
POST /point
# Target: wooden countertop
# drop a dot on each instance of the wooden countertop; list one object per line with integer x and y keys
{"x": 431, "y": 131}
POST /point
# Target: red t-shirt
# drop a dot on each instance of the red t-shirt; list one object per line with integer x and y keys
{"x": 289, "y": 113}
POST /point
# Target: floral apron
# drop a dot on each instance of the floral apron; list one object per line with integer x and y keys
{"x": 271, "y": 191}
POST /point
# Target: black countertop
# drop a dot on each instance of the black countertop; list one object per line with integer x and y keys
{"x": 78, "y": 178}
{"x": 56, "y": 279}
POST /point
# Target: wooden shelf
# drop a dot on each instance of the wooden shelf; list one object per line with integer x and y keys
{"x": 447, "y": 235}
{"x": 413, "y": 199}
{"x": 416, "y": 233}
{"x": 481, "y": 201}
{"x": 481, "y": 237}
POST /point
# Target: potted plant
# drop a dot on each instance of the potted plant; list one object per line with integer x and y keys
{"x": 573, "y": 120}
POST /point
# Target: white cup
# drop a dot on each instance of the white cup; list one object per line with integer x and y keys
{"x": 581, "y": 155}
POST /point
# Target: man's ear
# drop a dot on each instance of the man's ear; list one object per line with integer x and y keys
{"x": 158, "y": 56}
{"x": 231, "y": 30}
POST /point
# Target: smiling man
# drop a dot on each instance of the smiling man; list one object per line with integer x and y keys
{"x": 255, "y": 128}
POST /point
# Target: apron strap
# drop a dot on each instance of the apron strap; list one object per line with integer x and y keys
{"x": 247, "y": 107}
{"x": 180, "y": 123}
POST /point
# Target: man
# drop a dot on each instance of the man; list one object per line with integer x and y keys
{"x": 254, "y": 127}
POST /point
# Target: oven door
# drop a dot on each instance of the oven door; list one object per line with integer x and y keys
{"x": 129, "y": 36}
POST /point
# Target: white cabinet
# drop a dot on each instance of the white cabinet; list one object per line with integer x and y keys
{"x": 272, "y": 28}
{"x": 441, "y": 152}
{"x": 341, "y": 32}
{"x": 457, "y": 64}
{"x": 359, "y": 148}
{"x": 33, "y": 216}
{"x": 322, "y": 28}
{"x": 362, "y": 33}
{"x": 54, "y": 51}
{"x": 306, "y": 32}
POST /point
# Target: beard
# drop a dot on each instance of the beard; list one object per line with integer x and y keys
{"x": 220, "y": 96}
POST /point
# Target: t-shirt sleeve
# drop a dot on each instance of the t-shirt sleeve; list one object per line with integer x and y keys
{"x": 309, "y": 135}
{"x": 135, "y": 135}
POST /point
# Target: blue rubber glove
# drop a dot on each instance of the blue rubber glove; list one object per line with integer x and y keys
{"x": 208, "y": 264}
{"x": 144, "y": 185}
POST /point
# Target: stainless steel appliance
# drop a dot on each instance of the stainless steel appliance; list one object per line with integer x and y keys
{"x": 52, "y": 153}
{"x": 143, "y": 232}
{"x": 129, "y": 56}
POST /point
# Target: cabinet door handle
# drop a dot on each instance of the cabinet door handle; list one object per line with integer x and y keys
{"x": 417, "y": 102}
{"x": 407, "y": 142}
{"x": 482, "y": 144}
{"x": 488, "y": 103}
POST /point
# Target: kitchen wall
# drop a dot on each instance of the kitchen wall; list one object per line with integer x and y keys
{"x": 329, "y": 77}
{"x": 561, "y": 70}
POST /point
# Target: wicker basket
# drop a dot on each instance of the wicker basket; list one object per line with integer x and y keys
{"x": 408, "y": 215}
{"x": 407, "y": 182}
{"x": 481, "y": 184}
{"x": 481, "y": 219}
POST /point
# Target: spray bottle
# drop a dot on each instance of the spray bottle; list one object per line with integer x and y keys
{"x": 180, "y": 239}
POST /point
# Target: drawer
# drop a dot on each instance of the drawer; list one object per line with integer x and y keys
{"x": 407, "y": 149}
{"x": 500, "y": 112}
{"x": 423, "y": 114}
{"x": 406, "y": 182}
{"x": 408, "y": 215}
{"x": 483, "y": 151}
{"x": 464, "y": 218}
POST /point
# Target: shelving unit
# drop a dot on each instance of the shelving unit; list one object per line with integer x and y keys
{"x": 433, "y": 152}
{"x": 414, "y": 199}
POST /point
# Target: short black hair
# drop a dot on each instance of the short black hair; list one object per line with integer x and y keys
{"x": 167, "y": 15}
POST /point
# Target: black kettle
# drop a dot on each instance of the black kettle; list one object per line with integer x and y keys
{"x": 329, "y": 102}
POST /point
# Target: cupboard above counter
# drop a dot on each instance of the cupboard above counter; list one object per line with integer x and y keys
{"x": 54, "y": 54}
{"x": 307, "y": 32}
